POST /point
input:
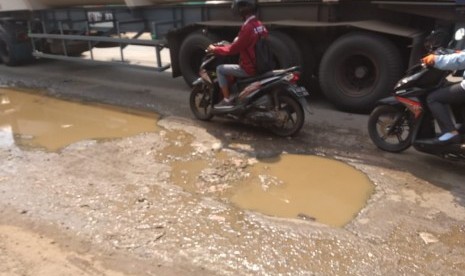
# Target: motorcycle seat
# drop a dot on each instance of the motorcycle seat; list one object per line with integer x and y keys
{"x": 243, "y": 81}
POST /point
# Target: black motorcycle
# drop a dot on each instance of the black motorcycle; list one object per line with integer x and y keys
{"x": 272, "y": 100}
{"x": 404, "y": 119}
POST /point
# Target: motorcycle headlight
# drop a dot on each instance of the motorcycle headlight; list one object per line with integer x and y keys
{"x": 404, "y": 81}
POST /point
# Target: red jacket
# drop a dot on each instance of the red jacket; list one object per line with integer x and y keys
{"x": 244, "y": 44}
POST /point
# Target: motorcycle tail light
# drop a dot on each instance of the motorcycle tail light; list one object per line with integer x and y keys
{"x": 295, "y": 77}
{"x": 413, "y": 106}
{"x": 292, "y": 77}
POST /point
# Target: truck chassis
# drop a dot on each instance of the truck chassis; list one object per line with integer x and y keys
{"x": 353, "y": 51}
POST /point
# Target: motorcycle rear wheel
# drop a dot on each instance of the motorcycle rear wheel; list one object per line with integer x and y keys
{"x": 390, "y": 128}
{"x": 200, "y": 102}
{"x": 293, "y": 116}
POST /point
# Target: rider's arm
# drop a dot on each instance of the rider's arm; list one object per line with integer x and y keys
{"x": 454, "y": 61}
{"x": 242, "y": 42}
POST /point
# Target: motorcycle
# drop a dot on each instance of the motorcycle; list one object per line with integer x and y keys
{"x": 272, "y": 100}
{"x": 404, "y": 119}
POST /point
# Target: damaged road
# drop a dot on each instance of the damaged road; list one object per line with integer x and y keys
{"x": 119, "y": 206}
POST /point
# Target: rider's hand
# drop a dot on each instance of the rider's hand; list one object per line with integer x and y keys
{"x": 429, "y": 60}
{"x": 211, "y": 48}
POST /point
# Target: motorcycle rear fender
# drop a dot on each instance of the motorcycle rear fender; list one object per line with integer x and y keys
{"x": 294, "y": 90}
{"x": 298, "y": 93}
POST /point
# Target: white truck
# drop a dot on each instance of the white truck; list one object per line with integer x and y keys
{"x": 352, "y": 50}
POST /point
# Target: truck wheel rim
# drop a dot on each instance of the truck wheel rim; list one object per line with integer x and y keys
{"x": 357, "y": 75}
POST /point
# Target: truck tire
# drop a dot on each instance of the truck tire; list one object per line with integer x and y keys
{"x": 191, "y": 53}
{"x": 285, "y": 50}
{"x": 358, "y": 69}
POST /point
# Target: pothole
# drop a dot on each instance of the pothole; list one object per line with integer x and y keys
{"x": 289, "y": 186}
{"x": 305, "y": 187}
{"x": 29, "y": 121}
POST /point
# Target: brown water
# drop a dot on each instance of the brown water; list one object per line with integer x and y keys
{"x": 306, "y": 187}
{"x": 186, "y": 173}
{"x": 290, "y": 186}
{"x": 30, "y": 120}
{"x": 179, "y": 144}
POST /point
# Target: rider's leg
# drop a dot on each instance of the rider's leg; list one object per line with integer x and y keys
{"x": 228, "y": 70}
{"x": 439, "y": 101}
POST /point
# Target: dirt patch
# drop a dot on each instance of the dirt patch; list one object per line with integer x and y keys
{"x": 31, "y": 248}
{"x": 27, "y": 253}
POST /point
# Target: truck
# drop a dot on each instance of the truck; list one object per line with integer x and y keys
{"x": 353, "y": 51}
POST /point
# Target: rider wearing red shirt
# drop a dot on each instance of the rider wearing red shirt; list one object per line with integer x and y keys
{"x": 244, "y": 45}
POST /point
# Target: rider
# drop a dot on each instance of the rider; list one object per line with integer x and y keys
{"x": 439, "y": 100}
{"x": 244, "y": 45}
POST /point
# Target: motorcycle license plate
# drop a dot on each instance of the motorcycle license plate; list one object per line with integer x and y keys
{"x": 300, "y": 91}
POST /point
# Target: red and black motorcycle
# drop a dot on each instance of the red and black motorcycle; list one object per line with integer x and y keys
{"x": 404, "y": 119}
{"x": 272, "y": 100}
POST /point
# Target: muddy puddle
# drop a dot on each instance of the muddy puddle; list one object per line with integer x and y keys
{"x": 34, "y": 121}
{"x": 288, "y": 186}
{"x": 305, "y": 187}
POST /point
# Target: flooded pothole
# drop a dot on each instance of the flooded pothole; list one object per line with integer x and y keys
{"x": 305, "y": 187}
{"x": 35, "y": 121}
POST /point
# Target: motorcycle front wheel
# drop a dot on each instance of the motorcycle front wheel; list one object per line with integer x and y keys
{"x": 200, "y": 102}
{"x": 290, "y": 114}
{"x": 390, "y": 128}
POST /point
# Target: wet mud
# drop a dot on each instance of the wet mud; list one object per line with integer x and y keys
{"x": 169, "y": 194}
